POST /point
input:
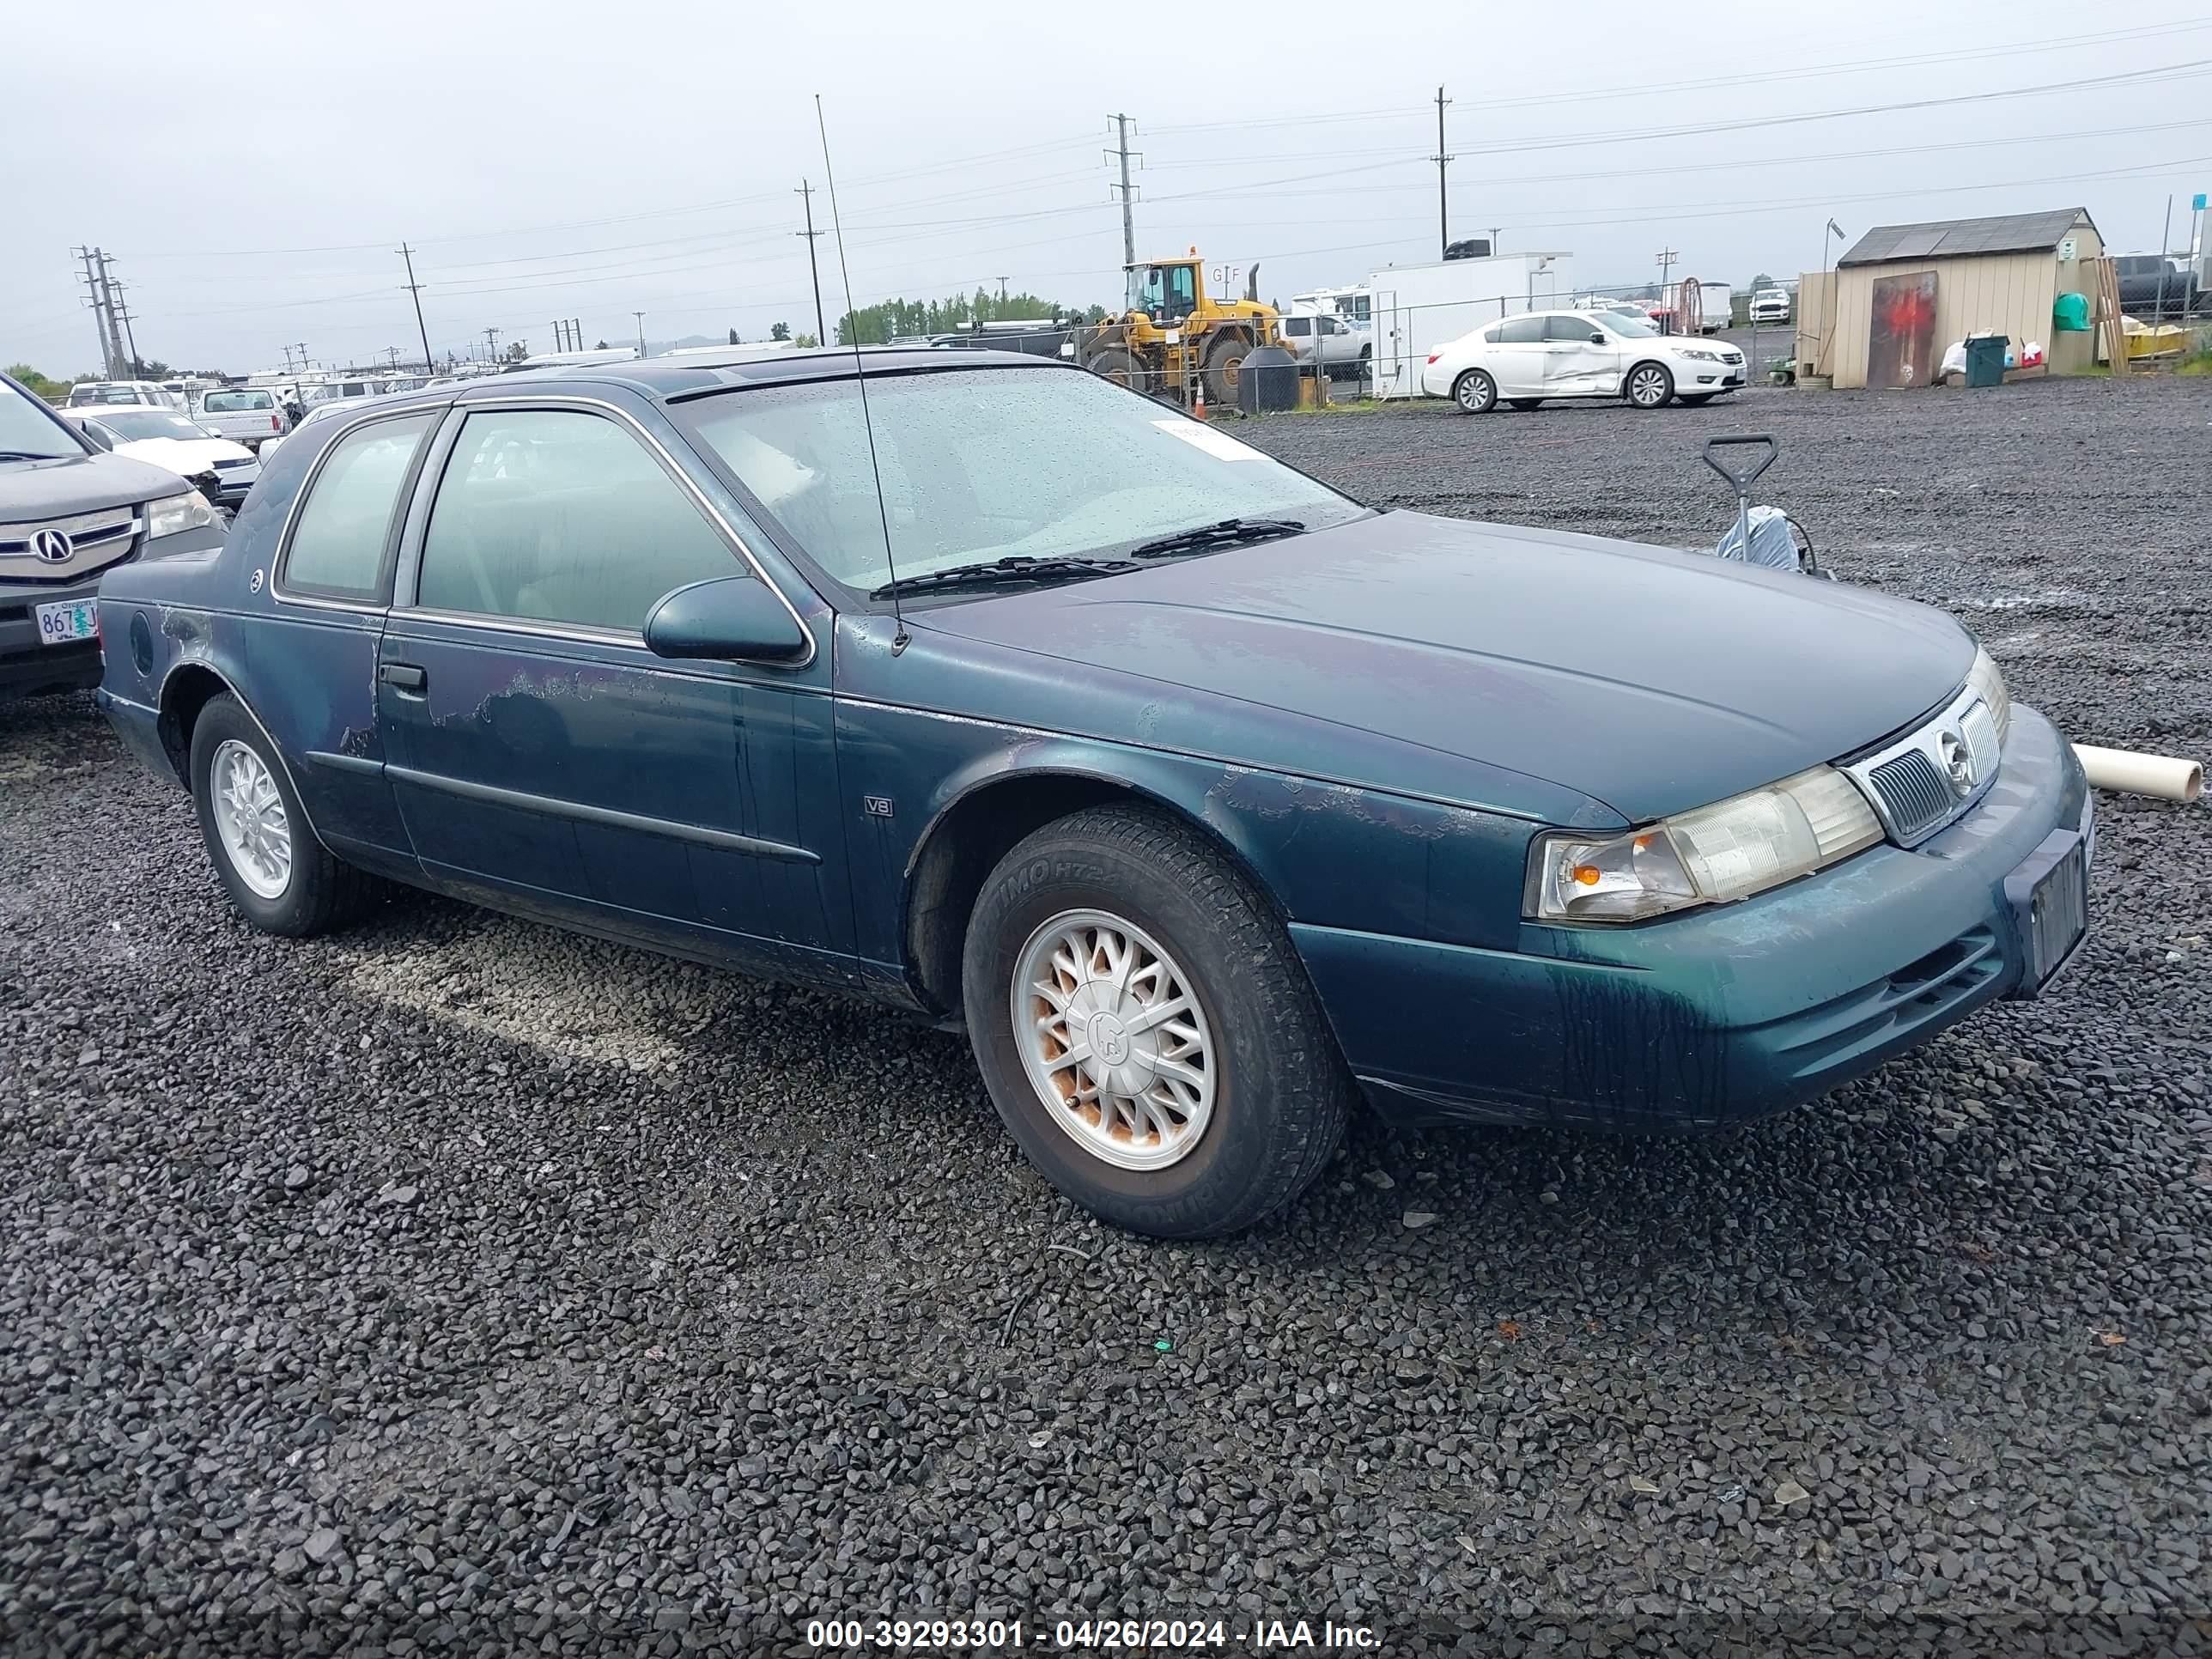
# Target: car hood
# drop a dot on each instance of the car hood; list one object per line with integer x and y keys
{"x": 1647, "y": 679}
{"x": 184, "y": 456}
{"x": 72, "y": 484}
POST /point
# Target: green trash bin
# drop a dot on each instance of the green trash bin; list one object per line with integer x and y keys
{"x": 1985, "y": 355}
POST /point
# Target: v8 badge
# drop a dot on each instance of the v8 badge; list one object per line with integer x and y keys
{"x": 876, "y": 806}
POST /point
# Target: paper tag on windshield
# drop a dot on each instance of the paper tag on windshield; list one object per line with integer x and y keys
{"x": 1220, "y": 445}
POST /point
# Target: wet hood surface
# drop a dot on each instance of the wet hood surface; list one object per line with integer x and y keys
{"x": 1651, "y": 680}
{"x": 64, "y": 488}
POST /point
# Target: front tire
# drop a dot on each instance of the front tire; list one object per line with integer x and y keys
{"x": 1650, "y": 386}
{"x": 1145, "y": 1029}
{"x": 1476, "y": 392}
{"x": 279, "y": 878}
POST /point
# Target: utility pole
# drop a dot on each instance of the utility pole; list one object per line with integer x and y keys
{"x": 492, "y": 345}
{"x": 122, "y": 316}
{"x": 415, "y": 288}
{"x": 821, "y": 329}
{"x": 1128, "y": 191}
{"x": 98, "y": 302}
{"x": 110, "y": 334}
{"x": 1002, "y": 290}
{"x": 640, "y": 326}
{"x": 1442, "y": 161}
{"x": 1666, "y": 258}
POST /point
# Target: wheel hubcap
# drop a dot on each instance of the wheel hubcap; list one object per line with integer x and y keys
{"x": 1114, "y": 1040}
{"x": 250, "y": 819}
{"x": 1470, "y": 393}
{"x": 1646, "y": 387}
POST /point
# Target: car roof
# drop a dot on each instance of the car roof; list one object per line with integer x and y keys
{"x": 667, "y": 380}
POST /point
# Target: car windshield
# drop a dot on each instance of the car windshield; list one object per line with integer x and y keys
{"x": 235, "y": 403}
{"x": 1628, "y": 327}
{"x": 135, "y": 423}
{"x": 27, "y": 431}
{"x": 986, "y": 464}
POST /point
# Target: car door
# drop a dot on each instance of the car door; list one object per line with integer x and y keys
{"x": 1581, "y": 357}
{"x": 1514, "y": 352}
{"x": 316, "y": 654}
{"x": 543, "y": 758}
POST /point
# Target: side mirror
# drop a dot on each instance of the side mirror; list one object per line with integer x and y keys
{"x": 97, "y": 438}
{"x": 1597, "y": 339}
{"x": 725, "y": 619}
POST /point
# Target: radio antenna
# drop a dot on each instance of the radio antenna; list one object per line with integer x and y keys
{"x": 867, "y": 424}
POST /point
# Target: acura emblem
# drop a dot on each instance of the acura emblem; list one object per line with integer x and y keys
{"x": 53, "y": 546}
{"x": 1957, "y": 762}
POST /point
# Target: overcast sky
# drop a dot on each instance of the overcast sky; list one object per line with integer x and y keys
{"x": 251, "y": 170}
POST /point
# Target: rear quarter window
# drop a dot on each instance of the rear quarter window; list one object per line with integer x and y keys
{"x": 343, "y": 526}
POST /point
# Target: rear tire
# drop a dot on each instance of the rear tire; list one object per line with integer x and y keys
{"x": 1476, "y": 392}
{"x": 1649, "y": 386}
{"x": 1082, "y": 940}
{"x": 278, "y": 875}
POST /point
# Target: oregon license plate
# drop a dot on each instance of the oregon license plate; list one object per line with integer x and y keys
{"x": 72, "y": 620}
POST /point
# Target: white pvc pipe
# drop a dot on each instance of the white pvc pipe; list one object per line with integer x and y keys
{"x": 2166, "y": 776}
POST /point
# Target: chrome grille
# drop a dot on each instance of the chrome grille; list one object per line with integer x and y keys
{"x": 1914, "y": 792}
{"x": 98, "y": 540}
{"x": 1921, "y": 782}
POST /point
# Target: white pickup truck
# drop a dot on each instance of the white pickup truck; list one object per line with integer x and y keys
{"x": 249, "y": 414}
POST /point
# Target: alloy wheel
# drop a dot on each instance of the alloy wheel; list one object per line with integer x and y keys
{"x": 1114, "y": 1040}
{"x": 250, "y": 819}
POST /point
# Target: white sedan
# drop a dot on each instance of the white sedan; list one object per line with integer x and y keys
{"x": 1542, "y": 355}
{"x": 167, "y": 439}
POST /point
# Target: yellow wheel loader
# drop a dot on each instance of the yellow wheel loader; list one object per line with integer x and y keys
{"x": 1175, "y": 334}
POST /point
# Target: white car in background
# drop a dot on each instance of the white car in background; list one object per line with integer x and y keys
{"x": 165, "y": 438}
{"x": 1338, "y": 343}
{"x": 250, "y": 415}
{"x": 1770, "y": 305}
{"x": 136, "y": 394}
{"x": 1530, "y": 359}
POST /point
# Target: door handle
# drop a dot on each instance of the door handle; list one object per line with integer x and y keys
{"x": 401, "y": 676}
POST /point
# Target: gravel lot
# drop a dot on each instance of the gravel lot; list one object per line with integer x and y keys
{"x": 453, "y": 1285}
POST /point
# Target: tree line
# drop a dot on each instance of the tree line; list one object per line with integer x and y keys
{"x": 893, "y": 319}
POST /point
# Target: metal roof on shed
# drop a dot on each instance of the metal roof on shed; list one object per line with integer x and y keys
{"x": 1950, "y": 239}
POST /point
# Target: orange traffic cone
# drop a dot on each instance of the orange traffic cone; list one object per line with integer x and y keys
{"x": 1198, "y": 403}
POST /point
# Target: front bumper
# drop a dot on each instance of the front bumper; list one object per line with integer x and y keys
{"x": 1720, "y": 1015}
{"x": 28, "y": 665}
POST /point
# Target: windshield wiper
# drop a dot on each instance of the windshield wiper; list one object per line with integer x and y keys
{"x": 1227, "y": 532}
{"x": 1015, "y": 568}
{"x": 26, "y": 455}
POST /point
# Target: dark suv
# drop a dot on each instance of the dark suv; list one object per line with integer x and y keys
{"x": 66, "y": 513}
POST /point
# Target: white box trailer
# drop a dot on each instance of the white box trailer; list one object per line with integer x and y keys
{"x": 1417, "y": 308}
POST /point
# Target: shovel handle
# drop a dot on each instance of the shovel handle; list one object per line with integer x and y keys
{"x": 1742, "y": 481}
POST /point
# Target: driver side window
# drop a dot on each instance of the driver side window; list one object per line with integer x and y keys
{"x": 562, "y": 516}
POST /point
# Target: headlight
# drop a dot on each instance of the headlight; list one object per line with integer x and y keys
{"x": 1701, "y": 354}
{"x": 1729, "y": 850}
{"x": 1987, "y": 681}
{"x": 174, "y": 514}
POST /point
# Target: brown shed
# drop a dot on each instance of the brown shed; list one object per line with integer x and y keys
{"x": 1904, "y": 293}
